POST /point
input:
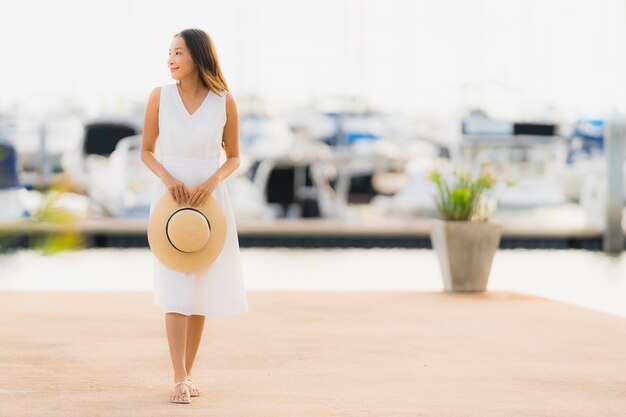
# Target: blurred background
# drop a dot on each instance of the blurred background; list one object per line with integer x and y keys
{"x": 343, "y": 104}
{"x": 345, "y": 107}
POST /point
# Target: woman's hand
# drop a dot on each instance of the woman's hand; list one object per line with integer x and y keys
{"x": 177, "y": 189}
{"x": 202, "y": 191}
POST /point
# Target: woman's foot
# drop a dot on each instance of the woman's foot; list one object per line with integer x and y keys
{"x": 193, "y": 388}
{"x": 181, "y": 394}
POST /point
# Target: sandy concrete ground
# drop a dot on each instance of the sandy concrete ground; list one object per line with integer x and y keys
{"x": 301, "y": 354}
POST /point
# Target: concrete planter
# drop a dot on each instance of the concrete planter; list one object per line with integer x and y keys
{"x": 465, "y": 250}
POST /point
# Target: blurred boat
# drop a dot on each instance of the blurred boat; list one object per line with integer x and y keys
{"x": 313, "y": 163}
{"x": 11, "y": 189}
{"x": 586, "y": 172}
{"x": 531, "y": 153}
{"x": 106, "y": 164}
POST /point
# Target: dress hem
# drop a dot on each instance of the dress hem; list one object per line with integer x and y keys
{"x": 167, "y": 308}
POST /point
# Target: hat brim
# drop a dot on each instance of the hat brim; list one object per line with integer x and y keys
{"x": 172, "y": 257}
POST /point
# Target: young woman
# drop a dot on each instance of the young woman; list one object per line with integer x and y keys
{"x": 194, "y": 119}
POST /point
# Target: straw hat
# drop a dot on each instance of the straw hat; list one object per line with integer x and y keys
{"x": 186, "y": 239}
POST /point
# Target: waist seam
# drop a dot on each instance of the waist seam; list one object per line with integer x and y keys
{"x": 189, "y": 159}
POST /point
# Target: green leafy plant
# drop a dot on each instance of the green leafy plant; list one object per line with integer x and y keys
{"x": 65, "y": 237}
{"x": 51, "y": 228}
{"x": 462, "y": 197}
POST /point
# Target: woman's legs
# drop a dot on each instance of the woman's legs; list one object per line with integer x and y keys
{"x": 183, "y": 335}
{"x": 176, "y": 326}
{"x": 195, "y": 325}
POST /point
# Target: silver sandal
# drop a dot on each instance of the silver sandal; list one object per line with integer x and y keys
{"x": 185, "y": 387}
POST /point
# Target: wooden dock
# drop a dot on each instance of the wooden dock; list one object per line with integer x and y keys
{"x": 315, "y": 354}
{"x": 373, "y": 232}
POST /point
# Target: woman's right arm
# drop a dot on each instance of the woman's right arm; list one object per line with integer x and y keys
{"x": 177, "y": 188}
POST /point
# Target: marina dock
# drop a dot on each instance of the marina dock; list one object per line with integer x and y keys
{"x": 316, "y": 354}
{"x": 548, "y": 228}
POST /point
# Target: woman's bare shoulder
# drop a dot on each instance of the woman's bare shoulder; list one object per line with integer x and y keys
{"x": 156, "y": 92}
{"x": 230, "y": 99}
{"x": 155, "y": 96}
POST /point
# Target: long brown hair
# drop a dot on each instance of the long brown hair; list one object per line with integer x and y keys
{"x": 204, "y": 55}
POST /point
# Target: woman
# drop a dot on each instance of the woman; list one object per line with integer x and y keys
{"x": 193, "y": 120}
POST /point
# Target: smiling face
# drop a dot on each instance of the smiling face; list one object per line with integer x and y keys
{"x": 180, "y": 62}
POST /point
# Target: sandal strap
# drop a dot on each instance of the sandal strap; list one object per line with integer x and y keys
{"x": 185, "y": 383}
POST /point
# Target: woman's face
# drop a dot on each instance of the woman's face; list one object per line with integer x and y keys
{"x": 180, "y": 62}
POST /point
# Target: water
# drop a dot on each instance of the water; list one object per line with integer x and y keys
{"x": 588, "y": 279}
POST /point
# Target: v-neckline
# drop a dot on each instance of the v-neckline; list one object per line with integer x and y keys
{"x": 182, "y": 103}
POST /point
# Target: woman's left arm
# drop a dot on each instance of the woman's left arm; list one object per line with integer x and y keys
{"x": 230, "y": 138}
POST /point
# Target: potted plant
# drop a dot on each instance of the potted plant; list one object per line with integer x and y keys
{"x": 464, "y": 239}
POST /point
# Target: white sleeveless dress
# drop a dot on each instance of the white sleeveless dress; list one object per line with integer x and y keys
{"x": 190, "y": 146}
